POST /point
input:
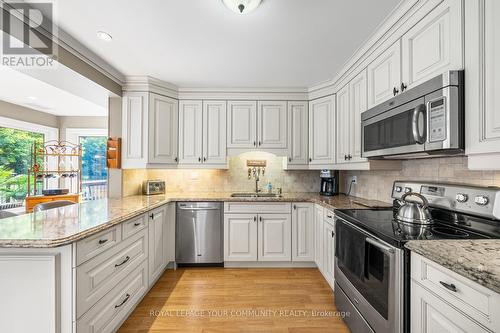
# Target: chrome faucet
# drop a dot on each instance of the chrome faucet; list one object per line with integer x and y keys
{"x": 255, "y": 173}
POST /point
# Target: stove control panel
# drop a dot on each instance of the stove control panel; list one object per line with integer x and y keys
{"x": 462, "y": 197}
{"x": 481, "y": 200}
{"x": 475, "y": 200}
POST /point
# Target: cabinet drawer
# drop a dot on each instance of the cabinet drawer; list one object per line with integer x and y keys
{"x": 430, "y": 313}
{"x": 258, "y": 207}
{"x": 471, "y": 298}
{"x": 91, "y": 246}
{"x": 134, "y": 225}
{"x": 98, "y": 276}
{"x": 112, "y": 309}
{"x": 329, "y": 216}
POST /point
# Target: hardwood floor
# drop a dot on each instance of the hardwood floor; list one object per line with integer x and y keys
{"x": 237, "y": 300}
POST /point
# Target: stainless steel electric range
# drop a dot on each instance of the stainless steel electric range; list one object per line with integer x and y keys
{"x": 372, "y": 266}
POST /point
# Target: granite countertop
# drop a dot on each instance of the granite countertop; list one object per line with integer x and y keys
{"x": 477, "y": 260}
{"x": 61, "y": 226}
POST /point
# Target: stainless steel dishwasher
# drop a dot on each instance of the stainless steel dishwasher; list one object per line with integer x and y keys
{"x": 199, "y": 233}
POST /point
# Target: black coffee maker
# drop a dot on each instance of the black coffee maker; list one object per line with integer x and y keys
{"x": 329, "y": 182}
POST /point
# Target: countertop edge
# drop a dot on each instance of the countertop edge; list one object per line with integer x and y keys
{"x": 59, "y": 242}
{"x": 481, "y": 277}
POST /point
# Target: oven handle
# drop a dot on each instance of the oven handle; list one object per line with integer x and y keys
{"x": 380, "y": 245}
{"x": 420, "y": 139}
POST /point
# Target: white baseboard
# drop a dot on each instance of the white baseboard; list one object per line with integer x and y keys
{"x": 269, "y": 264}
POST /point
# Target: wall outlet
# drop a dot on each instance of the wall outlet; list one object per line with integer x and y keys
{"x": 354, "y": 179}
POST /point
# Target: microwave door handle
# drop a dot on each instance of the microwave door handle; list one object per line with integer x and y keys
{"x": 419, "y": 138}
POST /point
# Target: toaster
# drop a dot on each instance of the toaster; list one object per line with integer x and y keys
{"x": 151, "y": 187}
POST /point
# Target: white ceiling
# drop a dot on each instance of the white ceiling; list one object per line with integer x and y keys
{"x": 201, "y": 43}
{"x": 33, "y": 92}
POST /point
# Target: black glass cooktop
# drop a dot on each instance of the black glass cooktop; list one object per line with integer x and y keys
{"x": 447, "y": 225}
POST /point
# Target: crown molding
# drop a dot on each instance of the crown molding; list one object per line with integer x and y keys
{"x": 144, "y": 83}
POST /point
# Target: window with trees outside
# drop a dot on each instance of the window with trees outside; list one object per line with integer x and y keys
{"x": 15, "y": 160}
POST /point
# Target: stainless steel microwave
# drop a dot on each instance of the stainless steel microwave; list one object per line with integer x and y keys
{"x": 425, "y": 121}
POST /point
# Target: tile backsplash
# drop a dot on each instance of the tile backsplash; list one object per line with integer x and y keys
{"x": 378, "y": 184}
{"x": 234, "y": 179}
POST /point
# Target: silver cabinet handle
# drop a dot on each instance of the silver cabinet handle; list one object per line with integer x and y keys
{"x": 417, "y": 136}
{"x": 381, "y": 246}
{"x": 123, "y": 302}
{"x": 127, "y": 258}
{"x": 449, "y": 286}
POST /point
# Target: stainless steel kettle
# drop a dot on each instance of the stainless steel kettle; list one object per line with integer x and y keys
{"x": 414, "y": 212}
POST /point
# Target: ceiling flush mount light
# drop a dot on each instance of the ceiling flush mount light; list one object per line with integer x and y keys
{"x": 104, "y": 36}
{"x": 242, "y": 6}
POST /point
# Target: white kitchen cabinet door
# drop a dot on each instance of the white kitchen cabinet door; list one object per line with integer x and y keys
{"x": 240, "y": 237}
{"x": 274, "y": 237}
{"x": 190, "y": 132}
{"x": 343, "y": 125}
{"x": 434, "y": 45}
{"x": 214, "y": 132}
{"x": 163, "y": 129}
{"x": 135, "y": 130}
{"x": 298, "y": 133}
{"x": 430, "y": 314}
{"x": 482, "y": 81}
{"x": 329, "y": 253}
{"x": 384, "y": 75}
{"x": 241, "y": 124}
{"x": 322, "y": 131}
{"x": 358, "y": 104}
{"x": 318, "y": 236}
{"x": 303, "y": 232}
{"x": 272, "y": 125}
{"x": 156, "y": 254}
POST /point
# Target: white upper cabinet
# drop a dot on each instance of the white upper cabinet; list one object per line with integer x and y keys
{"x": 434, "y": 45}
{"x": 343, "y": 125}
{"x": 272, "y": 125}
{"x": 190, "y": 132}
{"x": 322, "y": 131}
{"x": 135, "y": 130}
{"x": 482, "y": 82}
{"x": 358, "y": 105}
{"x": 241, "y": 124}
{"x": 149, "y": 129}
{"x": 303, "y": 232}
{"x": 163, "y": 135}
{"x": 384, "y": 75}
{"x": 214, "y": 132}
{"x": 298, "y": 133}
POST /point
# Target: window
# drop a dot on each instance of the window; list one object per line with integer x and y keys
{"x": 15, "y": 160}
{"x": 94, "y": 169}
{"x": 16, "y": 141}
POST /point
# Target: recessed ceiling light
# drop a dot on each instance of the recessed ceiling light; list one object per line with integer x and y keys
{"x": 104, "y": 36}
{"x": 242, "y": 6}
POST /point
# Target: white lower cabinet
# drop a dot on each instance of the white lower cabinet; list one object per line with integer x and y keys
{"x": 302, "y": 232}
{"x": 318, "y": 236}
{"x": 112, "y": 309}
{"x": 157, "y": 237}
{"x": 444, "y": 301}
{"x": 274, "y": 237}
{"x": 329, "y": 252}
{"x": 269, "y": 232}
{"x": 430, "y": 314}
{"x": 240, "y": 237}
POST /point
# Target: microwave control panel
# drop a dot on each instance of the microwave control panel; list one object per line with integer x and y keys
{"x": 437, "y": 119}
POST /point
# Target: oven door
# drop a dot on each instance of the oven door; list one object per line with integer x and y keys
{"x": 401, "y": 130}
{"x": 369, "y": 272}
